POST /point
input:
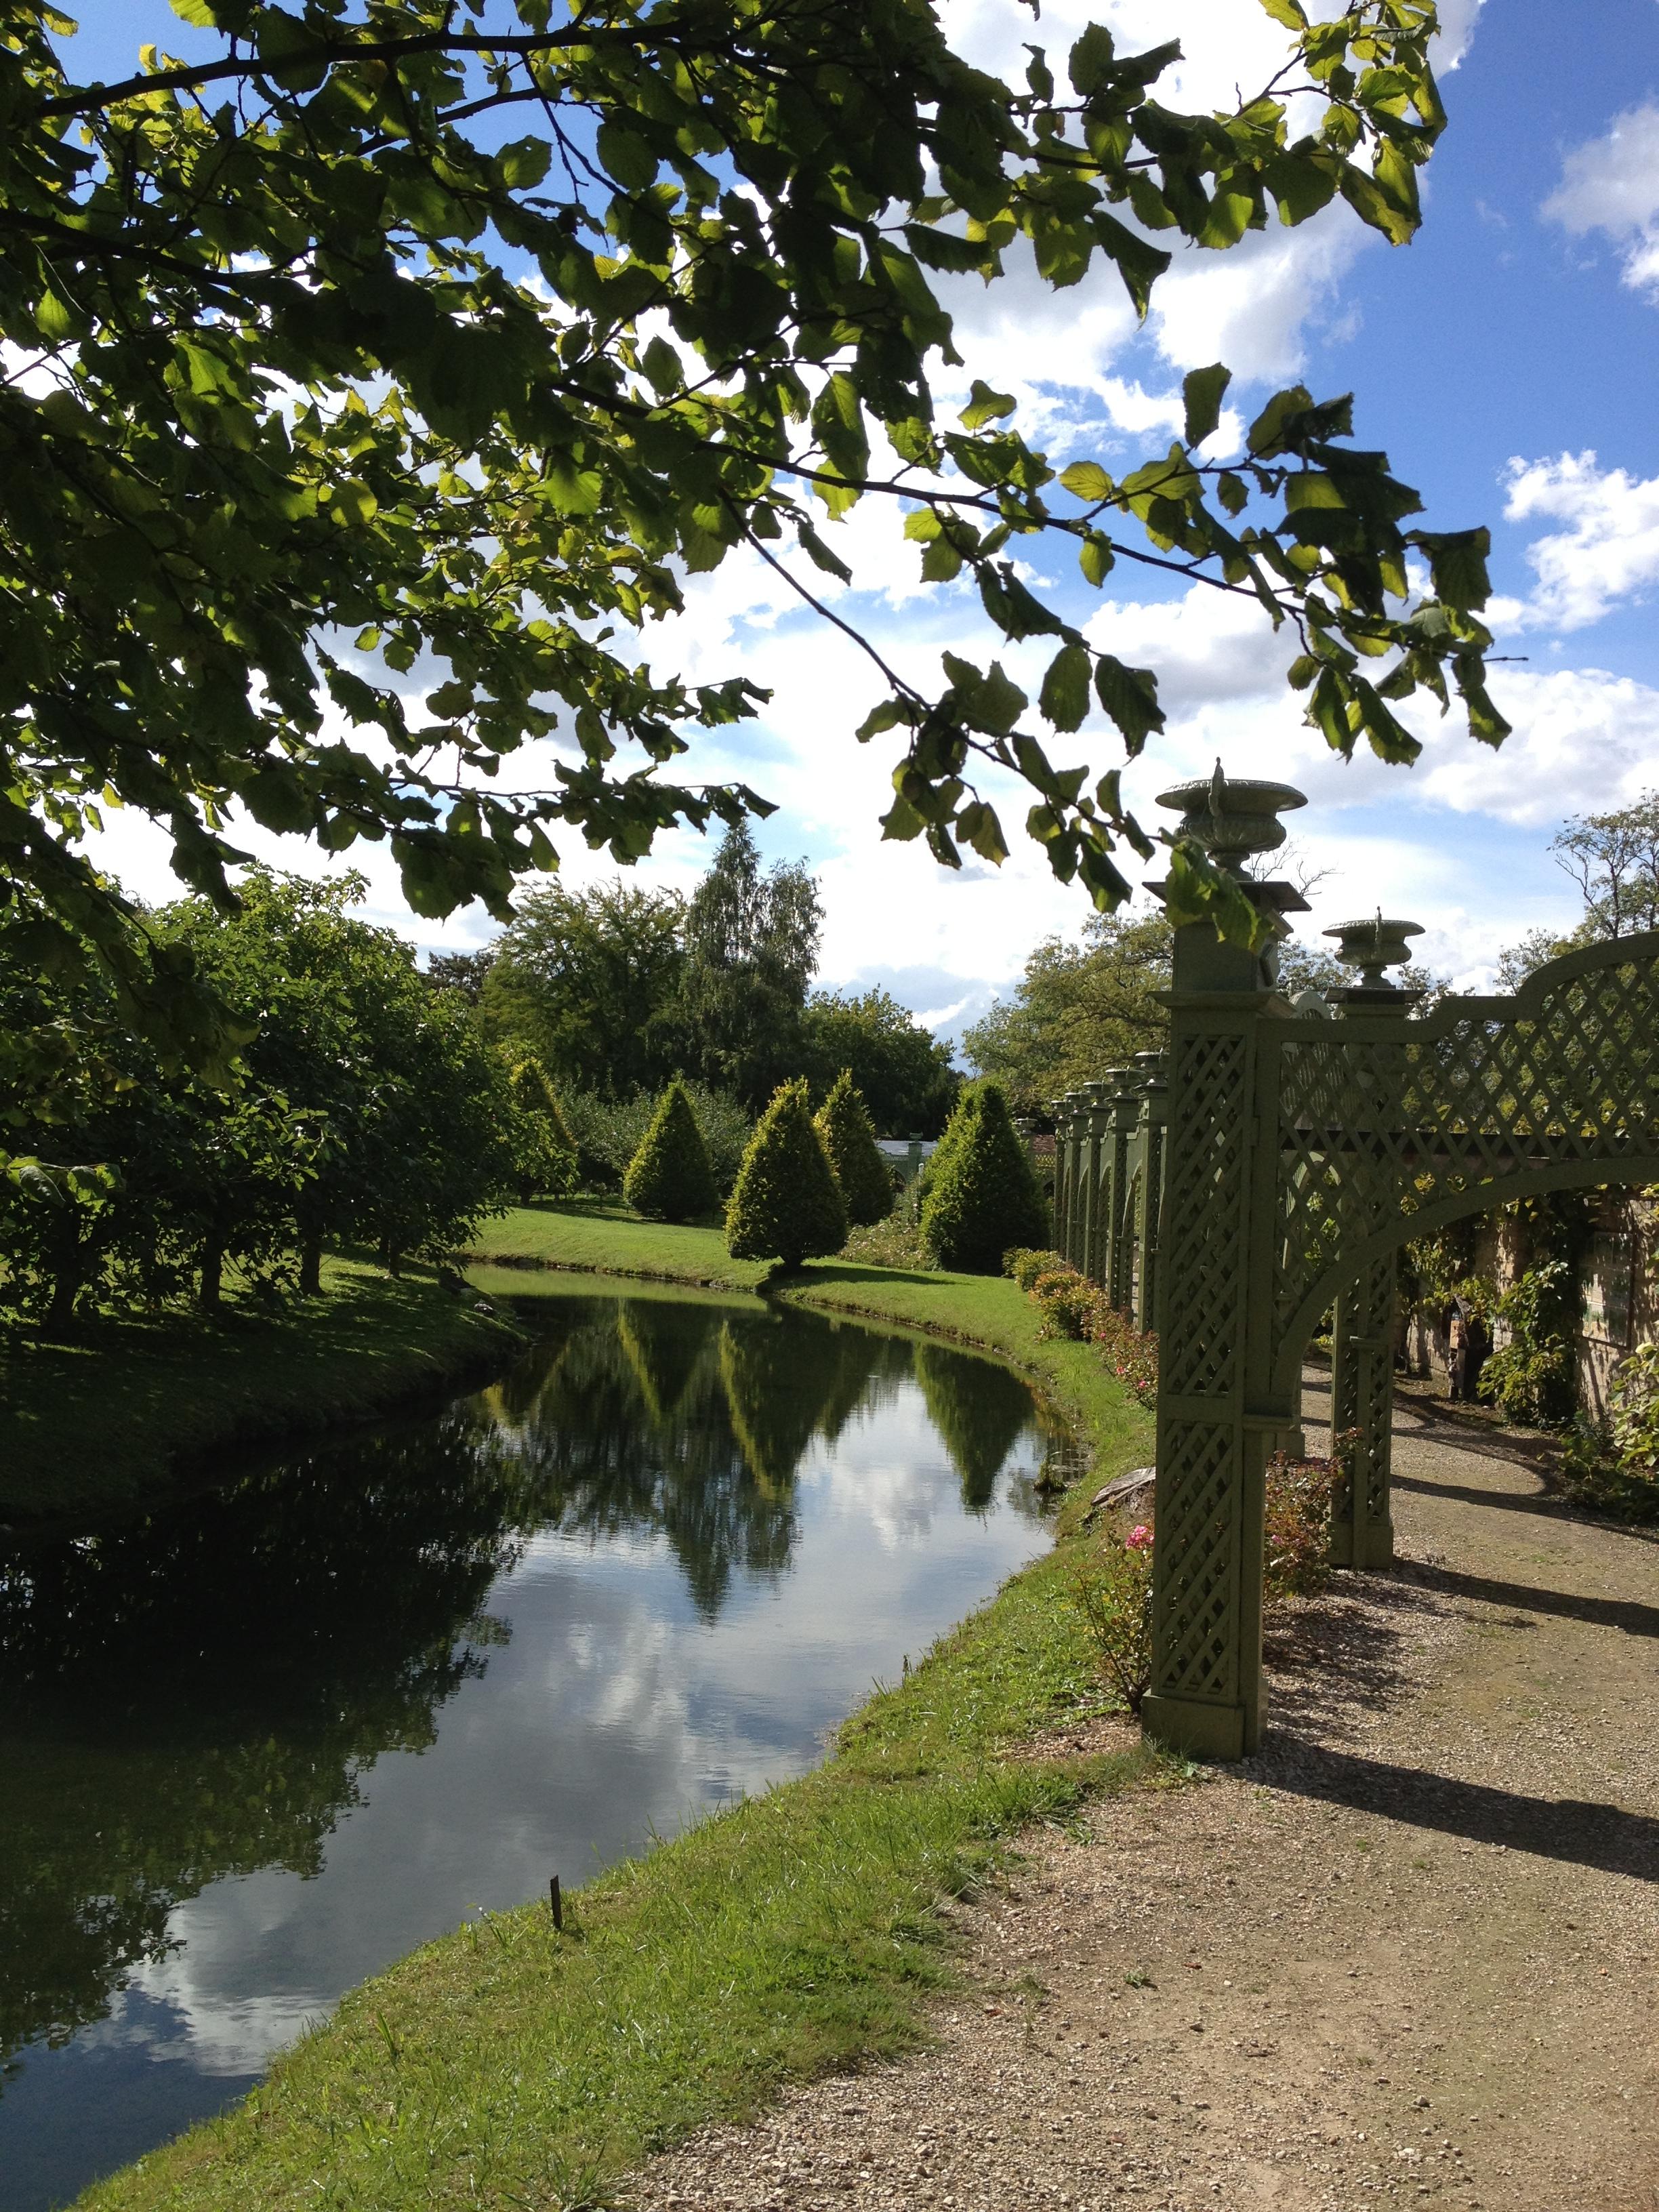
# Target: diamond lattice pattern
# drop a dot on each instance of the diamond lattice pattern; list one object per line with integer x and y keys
{"x": 1203, "y": 1228}
{"x": 1371, "y": 1131}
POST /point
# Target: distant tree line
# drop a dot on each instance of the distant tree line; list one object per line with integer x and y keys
{"x": 617, "y": 988}
{"x": 367, "y": 1103}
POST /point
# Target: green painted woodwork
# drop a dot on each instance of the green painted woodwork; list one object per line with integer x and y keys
{"x": 1269, "y": 1167}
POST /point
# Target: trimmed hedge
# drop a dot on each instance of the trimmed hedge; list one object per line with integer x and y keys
{"x": 669, "y": 1177}
{"x": 983, "y": 1196}
{"x": 787, "y": 1204}
{"x": 844, "y": 1125}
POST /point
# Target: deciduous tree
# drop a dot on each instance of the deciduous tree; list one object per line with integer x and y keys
{"x": 323, "y": 378}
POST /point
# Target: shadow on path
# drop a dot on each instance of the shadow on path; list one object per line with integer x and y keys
{"x": 1473, "y": 1494}
{"x": 1635, "y": 1619}
{"x": 1577, "y": 1834}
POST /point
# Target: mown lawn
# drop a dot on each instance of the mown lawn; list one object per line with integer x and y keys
{"x": 509, "y": 2065}
{"x": 106, "y": 1419}
{"x": 506, "y": 2065}
{"x": 988, "y": 1312}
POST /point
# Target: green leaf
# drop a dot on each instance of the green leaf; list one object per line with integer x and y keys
{"x": 819, "y": 554}
{"x": 1096, "y": 558}
{"x": 1286, "y": 12}
{"x": 978, "y": 827}
{"x": 626, "y": 156}
{"x": 1202, "y": 390}
{"x": 1233, "y": 493}
{"x": 524, "y": 163}
{"x": 1130, "y": 697}
{"x": 1139, "y": 265}
{"x": 664, "y": 369}
{"x": 199, "y": 12}
{"x": 1091, "y": 64}
{"x": 289, "y": 54}
{"x": 1086, "y": 480}
{"x": 1064, "y": 699}
{"x": 1457, "y": 562}
{"x": 887, "y": 715}
{"x": 984, "y": 406}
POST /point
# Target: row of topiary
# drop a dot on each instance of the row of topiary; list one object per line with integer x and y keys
{"x": 806, "y": 1180}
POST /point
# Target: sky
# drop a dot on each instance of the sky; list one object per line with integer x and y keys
{"x": 1506, "y": 362}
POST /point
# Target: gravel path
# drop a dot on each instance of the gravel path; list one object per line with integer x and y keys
{"x": 1408, "y": 1954}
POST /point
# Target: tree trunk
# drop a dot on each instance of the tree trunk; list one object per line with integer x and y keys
{"x": 213, "y": 1268}
{"x": 311, "y": 1267}
{"x": 390, "y": 1257}
{"x": 69, "y": 1266}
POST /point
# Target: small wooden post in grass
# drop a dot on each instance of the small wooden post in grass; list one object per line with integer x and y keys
{"x": 556, "y": 1902}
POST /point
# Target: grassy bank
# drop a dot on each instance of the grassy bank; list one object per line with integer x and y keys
{"x": 507, "y": 2065}
{"x": 600, "y": 1236}
{"x": 104, "y": 1420}
{"x": 986, "y": 1311}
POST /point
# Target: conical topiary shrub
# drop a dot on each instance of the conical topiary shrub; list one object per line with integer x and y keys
{"x": 548, "y": 1150}
{"x": 785, "y": 1204}
{"x": 844, "y": 1126}
{"x": 669, "y": 1177}
{"x": 983, "y": 1197}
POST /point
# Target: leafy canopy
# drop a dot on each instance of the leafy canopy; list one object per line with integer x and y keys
{"x": 333, "y": 383}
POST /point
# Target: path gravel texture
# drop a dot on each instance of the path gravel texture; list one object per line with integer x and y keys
{"x": 1407, "y": 1955}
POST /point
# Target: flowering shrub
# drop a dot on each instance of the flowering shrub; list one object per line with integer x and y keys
{"x": 1066, "y": 1300}
{"x": 1113, "y": 1591}
{"x": 1131, "y": 1357}
{"x": 1297, "y": 1561}
{"x": 1072, "y": 1306}
{"x": 1025, "y": 1265}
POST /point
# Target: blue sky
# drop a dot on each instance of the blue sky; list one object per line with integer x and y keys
{"x": 1505, "y": 360}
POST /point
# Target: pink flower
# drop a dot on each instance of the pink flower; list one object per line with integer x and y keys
{"x": 1139, "y": 1538}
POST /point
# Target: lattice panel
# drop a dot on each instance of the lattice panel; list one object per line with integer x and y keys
{"x": 1196, "y": 1596}
{"x": 1362, "y": 1388}
{"x": 1202, "y": 1256}
{"x": 1372, "y": 1129}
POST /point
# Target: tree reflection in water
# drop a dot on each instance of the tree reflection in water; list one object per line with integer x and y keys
{"x": 196, "y": 1695}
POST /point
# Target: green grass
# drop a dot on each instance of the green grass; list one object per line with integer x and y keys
{"x": 506, "y": 2065}
{"x": 102, "y": 1420}
{"x": 601, "y": 1236}
{"x": 986, "y": 1311}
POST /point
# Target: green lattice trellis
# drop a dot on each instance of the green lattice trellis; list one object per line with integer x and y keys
{"x": 1289, "y": 1157}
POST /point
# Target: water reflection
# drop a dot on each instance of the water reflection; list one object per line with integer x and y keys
{"x": 339, "y": 1702}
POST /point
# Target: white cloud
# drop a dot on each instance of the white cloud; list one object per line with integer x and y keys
{"x": 1608, "y": 552}
{"x": 1611, "y": 185}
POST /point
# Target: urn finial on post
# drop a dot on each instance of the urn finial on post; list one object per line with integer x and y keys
{"x": 1373, "y": 946}
{"x": 1233, "y": 818}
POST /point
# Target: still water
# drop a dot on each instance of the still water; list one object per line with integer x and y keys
{"x": 258, "y": 1745}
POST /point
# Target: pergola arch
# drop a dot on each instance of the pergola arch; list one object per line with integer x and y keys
{"x": 1302, "y": 1148}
